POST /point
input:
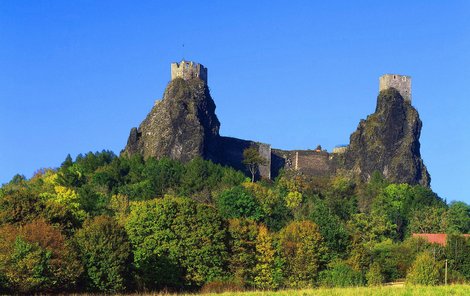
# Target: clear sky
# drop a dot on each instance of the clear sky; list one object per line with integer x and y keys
{"x": 76, "y": 76}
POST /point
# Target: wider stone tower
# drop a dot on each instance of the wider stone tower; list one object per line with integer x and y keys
{"x": 188, "y": 70}
{"x": 402, "y": 83}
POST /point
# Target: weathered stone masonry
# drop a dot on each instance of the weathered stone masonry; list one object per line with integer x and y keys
{"x": 401, "y": 83}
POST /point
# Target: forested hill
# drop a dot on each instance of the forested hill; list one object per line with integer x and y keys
{"x": 105, "y": 223}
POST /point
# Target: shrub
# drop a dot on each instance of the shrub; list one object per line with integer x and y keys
{"x": 374, "y": 275}
{"x": 424, "y": 271}
{"x": 340, "y": 274}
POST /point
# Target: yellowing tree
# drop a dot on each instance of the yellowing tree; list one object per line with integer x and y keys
{"x": 265, "y": 268}
{"x": 303, "y": 251}
{"x": 61, "y": 195}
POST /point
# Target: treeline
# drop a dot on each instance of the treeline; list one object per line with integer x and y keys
{"x": 105, "y": 223}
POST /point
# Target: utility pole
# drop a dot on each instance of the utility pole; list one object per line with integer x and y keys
{"x": 445, "y": 279}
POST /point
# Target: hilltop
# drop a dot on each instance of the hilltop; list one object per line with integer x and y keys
{"x": 183, "y": 125}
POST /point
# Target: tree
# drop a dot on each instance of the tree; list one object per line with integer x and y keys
{"x": 458, "y": 254}
{"x": 303, "y": 251}
{"x": 424, "y": 270}
{"x": 428, "y": 219}
{"x": 243, "y": 234}
{"x": 252, "y": 159}
{"x": 106, "y": 254}
{"x": 458, "y": 217}
{"x": 238, "y": 203}
{"x": 176, "y": 242}
{"x": 267, "y": 269}
{"x": 20, "y": 205}
{"x": 36, "y": 257}
{"x": 331, "y": 227}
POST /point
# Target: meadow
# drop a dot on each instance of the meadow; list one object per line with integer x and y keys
{"x": 380, "y": 290}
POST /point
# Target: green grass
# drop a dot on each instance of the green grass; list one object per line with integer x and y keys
{"x": 382, "y": 291}
{"x": 359, "y": 291}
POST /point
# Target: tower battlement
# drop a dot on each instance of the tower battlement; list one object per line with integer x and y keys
{"x": 402, "y": 83}
{"x": 188, "y": 70}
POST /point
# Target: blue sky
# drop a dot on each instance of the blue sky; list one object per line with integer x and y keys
{"x": 75, "y": 76}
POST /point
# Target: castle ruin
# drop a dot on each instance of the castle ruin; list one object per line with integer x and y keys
{"x": 402, "y": 83}
{"x": 188, "y": 70}
{"x": 318, "y": 162}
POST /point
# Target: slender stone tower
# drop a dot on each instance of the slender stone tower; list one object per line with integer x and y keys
{"x": 402, "y": 83}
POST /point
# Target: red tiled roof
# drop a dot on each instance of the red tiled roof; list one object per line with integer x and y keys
{"x": 435, "y": 238}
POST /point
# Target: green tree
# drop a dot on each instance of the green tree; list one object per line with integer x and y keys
{"x": 303, "y": 251}
{"x": 457, "y": 252}
{"x": 428, "y": 219}
{"x": 340, "y": 197}
{"x": 458, "y": 217}
{"x": 106, "y": 254}
{"x": 239, "y": 203}
{"x": 176, "y": 242}
{"x": 366, "y": 231}
{"x": 164, "y": 175}
{"x": 331, "y": 228}
{"x": 252, "y": 159}
{"x": 424, "y": 270}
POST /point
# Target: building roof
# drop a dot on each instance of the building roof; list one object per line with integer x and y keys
{"x": 435, "y": 238}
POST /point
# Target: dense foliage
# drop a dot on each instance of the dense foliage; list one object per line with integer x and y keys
{"x": 103, "y": 223}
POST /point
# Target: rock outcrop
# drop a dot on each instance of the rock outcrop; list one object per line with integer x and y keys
{"x": 388, "y": 142}
{"x": 182, "y": 125}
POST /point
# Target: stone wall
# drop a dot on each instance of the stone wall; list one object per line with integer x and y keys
{"x": 188, "y": 70}
{"x": 231, "y": 154}
{"x": 402, "y": 83}
{"x": 340, "y": 149}
{"x": 309, "y": 162}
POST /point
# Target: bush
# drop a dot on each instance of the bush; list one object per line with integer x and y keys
{"x": 340, "y": 274}
{"x": 424, "y": 271}
{"x": 374, "y": 276}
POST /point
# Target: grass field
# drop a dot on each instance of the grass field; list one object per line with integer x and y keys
{"x": 382, "y": 291}
{"x": 359, "y": 291}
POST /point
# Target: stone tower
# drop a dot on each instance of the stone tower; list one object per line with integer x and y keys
{"x": 401, "y": 83}
{"x": 188, "y": 70}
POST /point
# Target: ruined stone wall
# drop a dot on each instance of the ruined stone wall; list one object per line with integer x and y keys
{"x": 340, "y": 149}
{"x": 402, "y": 83}
{"x": 231, "y": 153}
{"x": 188, "y": 70}
{"x": 310, "y": 162}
